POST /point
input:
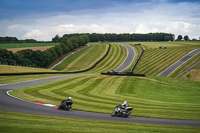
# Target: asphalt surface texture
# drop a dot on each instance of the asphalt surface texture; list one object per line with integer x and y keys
{"x": 13, "y": 104}
{"x": 177, "y": 64}
{"x": 130, "y": 57}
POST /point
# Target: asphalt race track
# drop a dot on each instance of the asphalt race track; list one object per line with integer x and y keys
{"x": 10, "y": 103}
{"x": 130, "y": 57}
{"x": 177, "y": 64}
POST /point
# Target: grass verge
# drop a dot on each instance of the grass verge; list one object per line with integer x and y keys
{"x": 191, "y": 75}
{"x": 151, "y": 97}
{"x": 115, "y": 58}
{"x": 21, "y": 78}
{"x": 83, "y": 59}
{"x": 12, "y": 122}
{"x": 20, "y": 69}
{"x": 155, "y": 60}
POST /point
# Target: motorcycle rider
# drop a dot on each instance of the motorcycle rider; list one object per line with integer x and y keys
{"x": 123, "y": 106}
{"x": 67, "y": 102}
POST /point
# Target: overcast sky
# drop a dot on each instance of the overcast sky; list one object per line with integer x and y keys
{"x": 43, "y": 19}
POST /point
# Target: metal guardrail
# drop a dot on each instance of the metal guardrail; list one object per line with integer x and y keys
{"x": 198, "y": 63}
{"x": 123, "y": 74}
{"x": 137, "y": 61}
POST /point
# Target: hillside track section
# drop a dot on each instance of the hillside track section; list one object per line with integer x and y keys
{"x": 177, "y": 64}
{"x": 11, "y": 103}
{"x": 129, "y": 59}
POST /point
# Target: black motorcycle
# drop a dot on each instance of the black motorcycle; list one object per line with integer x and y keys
{"x": 65, "y": 105}
{"x": 122, "y": 112}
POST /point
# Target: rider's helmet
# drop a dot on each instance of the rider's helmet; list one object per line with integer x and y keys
{"x": 70, "y": 98}
{"x": 125, "y": 102}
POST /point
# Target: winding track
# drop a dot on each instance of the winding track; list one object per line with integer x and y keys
{"x": 177, "y": 64}
{"x": 10, "y": 103}
{"x": 130, "y": 57}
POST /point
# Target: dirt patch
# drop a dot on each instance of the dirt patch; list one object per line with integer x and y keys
{"x": 43, "y": 48}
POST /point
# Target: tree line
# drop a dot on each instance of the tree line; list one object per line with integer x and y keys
{"x": 39, "y": 58}
{"x": 8, "y": 39}
{"x": 180, "y": 38}
{"x": 95, "y": 37}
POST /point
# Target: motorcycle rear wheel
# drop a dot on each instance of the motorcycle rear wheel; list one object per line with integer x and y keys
{"x": 59, "y": 107}
{"x": 124, "y": 114}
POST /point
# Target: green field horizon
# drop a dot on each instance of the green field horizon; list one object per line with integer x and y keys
{"x": 25, "y": 45}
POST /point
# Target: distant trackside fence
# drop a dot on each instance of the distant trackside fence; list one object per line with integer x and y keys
{"x": 198, "y": 63}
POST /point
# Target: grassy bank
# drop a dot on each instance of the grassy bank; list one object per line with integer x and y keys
{"x": 12, "y": 122}
{"x": 21, "y": 78}
{"x": 20, "y": 69}
{"x": 151, "y": 97}
{"x": 194, "y": 74}
{"x": 115, "y": 58}
{"x": 83, "y": 59}
{"x": 155, "y": 60}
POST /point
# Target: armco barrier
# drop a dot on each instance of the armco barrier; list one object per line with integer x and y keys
{"x": 35, "y": 73}
{"x": 137, "y": 61}
{"x": 123, "y": 74}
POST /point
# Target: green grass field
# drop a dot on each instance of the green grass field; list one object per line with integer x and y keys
{"x": 187, "y": 65}
{"x": 115, "y": 58}
{"x": 150, "y": 96}
{"x": 160, "y": 97}
{"x": 192, "y": 74}
{"x": 83, "y": 59}
{"x": 87, "y": 57}
{"x": 24, "y": 45}
{"x": 18, "y": 69}
{"x": 155, "y": 60}
{"x": 12, "y": 122}
{"x": 19, "y": 78}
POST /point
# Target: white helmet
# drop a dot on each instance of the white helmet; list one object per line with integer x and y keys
{"x": 69, "y": 98}
{"x": 125, "y": 102}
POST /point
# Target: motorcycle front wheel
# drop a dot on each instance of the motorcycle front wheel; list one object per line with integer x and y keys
{"x": 113, "y": 114}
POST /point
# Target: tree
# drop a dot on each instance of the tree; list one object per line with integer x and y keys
{"x": 64, "y": 40}
{"x": 52, "y": 52}
{"x": 58, "y": 50}
{"x": 167, "y": 38}
{"x": 7, "y": 57}
{"x": 86, "y": 38}
{"x": 75, "y": 41}
{"x": 24, "y": 57}
{"x": 186, "y": 38}
{"x": 56, "y": 39}
{"x": 30, "y": 41}
{"x": 179, "y": 38}
{"x": 64, "y": 47}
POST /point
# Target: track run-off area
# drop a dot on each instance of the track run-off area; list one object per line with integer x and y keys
{"x": 178, "y": 63}
{"x": 11, "y": 103}
{"x": 92, "y": 87}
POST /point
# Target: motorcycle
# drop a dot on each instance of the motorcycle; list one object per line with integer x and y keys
{"x": 64, "y": 105}
{"x": 122, "y": 112}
